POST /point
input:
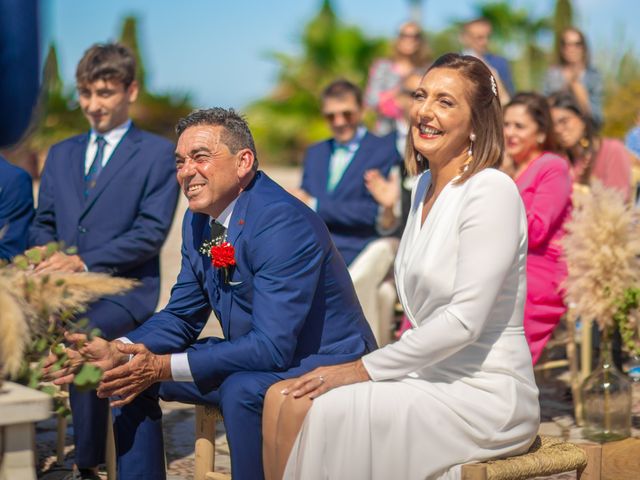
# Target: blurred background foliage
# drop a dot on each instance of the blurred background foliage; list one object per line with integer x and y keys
{"x": 288, "y": 119}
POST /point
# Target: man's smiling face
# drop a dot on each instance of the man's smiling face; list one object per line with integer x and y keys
{"x": 208, "y": 173}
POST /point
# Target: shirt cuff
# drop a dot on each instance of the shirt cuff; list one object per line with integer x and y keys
{"x": 313, "y": 204}
{"x": 180, "y": 369}
{"x": 125, "y": 340}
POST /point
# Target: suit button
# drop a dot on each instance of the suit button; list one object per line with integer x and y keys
{"x": 81, "y": 229}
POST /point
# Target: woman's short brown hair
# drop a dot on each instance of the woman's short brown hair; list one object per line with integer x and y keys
{"x": 486, "y": 116}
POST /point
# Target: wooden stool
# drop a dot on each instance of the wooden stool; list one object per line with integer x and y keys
{"x": 614, "y": 460}
{"x": 205, "y": 449}
{"x": 61, "y": 433}
{"x": 547, "y": 456}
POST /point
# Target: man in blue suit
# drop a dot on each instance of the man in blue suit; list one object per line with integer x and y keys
{"x": 266, "y": 265}
{"x": 475, "y": 39}
{"x": 16, "y": 209}
{"x": 333, "y": 177}
{"x": 111, "y": 194}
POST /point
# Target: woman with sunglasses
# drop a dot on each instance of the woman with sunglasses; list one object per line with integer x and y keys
{"x": 574, "y": 74}
{"x": 411, "y": 53}
{"x": 459, "y": 386}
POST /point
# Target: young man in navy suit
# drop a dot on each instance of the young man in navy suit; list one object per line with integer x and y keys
{"x": 111, "y": 194}
{"x": 333, "y": 177}
{"x": 16, "y": 209}
{"x": 266, "y": 265}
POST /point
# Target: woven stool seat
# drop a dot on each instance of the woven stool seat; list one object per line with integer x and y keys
{"x": 547, "y": 456}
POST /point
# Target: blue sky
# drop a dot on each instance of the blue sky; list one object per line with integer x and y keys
{"x": 216, "y": 49}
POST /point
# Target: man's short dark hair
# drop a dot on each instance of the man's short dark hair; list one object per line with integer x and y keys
{"x": 235, "y": 133}
{"x": 475, "y": 21}
{"x": 341, "y": 88}
{"x": 106, "y": 61}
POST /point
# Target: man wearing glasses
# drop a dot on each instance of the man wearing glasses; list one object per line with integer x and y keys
{"x": 333, "y": 178}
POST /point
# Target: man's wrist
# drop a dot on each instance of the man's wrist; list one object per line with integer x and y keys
{"x": 164, "y": 367}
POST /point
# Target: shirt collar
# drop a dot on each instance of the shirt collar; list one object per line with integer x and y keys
{"x": 353, "y": 144}
{"x": 113, "y": 136}
{"x": 225, "y": 217}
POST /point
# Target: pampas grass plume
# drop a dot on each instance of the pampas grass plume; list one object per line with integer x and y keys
{"x": 30, "y": 302}
{"x": 602, "y": 245}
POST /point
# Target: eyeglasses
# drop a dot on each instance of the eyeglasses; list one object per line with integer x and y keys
{"x": 414, "y": 36}
{"x": 577, "y": 43}
{"x": 348, "y": 116}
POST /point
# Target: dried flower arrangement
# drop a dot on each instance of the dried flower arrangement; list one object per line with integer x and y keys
{"x": 602, "y": 248}
{"x": 36, "y": 309}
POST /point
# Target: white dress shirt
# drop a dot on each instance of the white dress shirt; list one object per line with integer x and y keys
{"x": 112, "y": 139}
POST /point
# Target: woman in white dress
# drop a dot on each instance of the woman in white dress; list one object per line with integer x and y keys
{"x": 458, "y": 387}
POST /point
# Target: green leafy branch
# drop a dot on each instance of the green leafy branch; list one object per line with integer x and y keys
{"x": 629, "y": 301}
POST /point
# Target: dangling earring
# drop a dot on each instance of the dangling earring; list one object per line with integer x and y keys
{"x": 584, "y": 142}
{"x": 472, "y": 138}
{"x": 465, "y": 165}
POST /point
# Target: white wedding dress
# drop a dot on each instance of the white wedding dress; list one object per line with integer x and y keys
{"x": 459, "y": 386}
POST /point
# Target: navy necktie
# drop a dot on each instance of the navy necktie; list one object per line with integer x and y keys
{"x": 217, "y": 231}
{"x": 96, "y": 166}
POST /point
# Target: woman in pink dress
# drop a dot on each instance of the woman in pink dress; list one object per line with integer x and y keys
{"x": 544, "y": 182}
{"x": 592, "y": 157}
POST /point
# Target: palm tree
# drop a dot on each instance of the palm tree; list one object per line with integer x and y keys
{"x": 155, "y": 112}
{"x": 562, "y": 18}
{"x": 515, "y": 30}
{"x": 288, "y": 120}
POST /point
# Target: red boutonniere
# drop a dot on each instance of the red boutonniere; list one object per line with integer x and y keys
{"x": 222, "y": 256}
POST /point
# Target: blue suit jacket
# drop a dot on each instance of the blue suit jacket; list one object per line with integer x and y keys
{"x": 501, "y": 65}
{"x": 290, "y": 304}
{"x": 349, "y": 211}
{"x": 19, "y": 66}
{"x": 124, "y": 221}
{"x": 16, "y": 209}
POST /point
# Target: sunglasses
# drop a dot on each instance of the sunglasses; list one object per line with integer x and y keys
{"x": 348, "y": 115}
{"x": 579, "y": 43}
{"x": 414, "y": 36}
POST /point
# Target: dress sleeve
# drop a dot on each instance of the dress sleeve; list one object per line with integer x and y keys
{"x": 549, "y": 201}
{"x": 490, "y": 231}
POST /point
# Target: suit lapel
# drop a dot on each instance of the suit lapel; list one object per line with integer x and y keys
{"x": 324, "y": 162}
{"x": 77, "y": 155}
{"x": 126, "y": 149}
{"x": 202, "y": 232}
{"x": 236, "y": 227}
